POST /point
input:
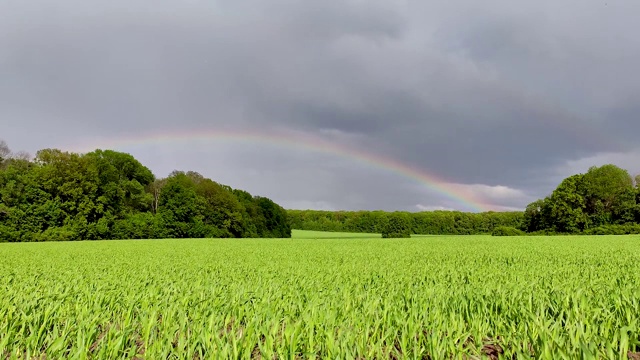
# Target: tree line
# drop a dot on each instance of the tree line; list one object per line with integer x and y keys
{"x": 604, "y": 200}
{"x": 105, "y": 194}
{"x": 425, "y": 222}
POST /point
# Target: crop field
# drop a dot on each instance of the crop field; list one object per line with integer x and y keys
{"x": 437, "y": 297}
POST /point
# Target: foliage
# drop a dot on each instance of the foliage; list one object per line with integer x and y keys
{"x": 397, "y": 225}
{"x": 603, "y": 196}
{"x": 429, "y": 298}
{"x": 534, "y": 218}
{"x": 626, "y": 229}
{"x": 311, "y": 234}
{"x": 275, "y": 223}
{"x": 567, "y": 206}
{"x": 609, "y": 195}
{"x": 507, "y": 231}
{"x": 587, "y": 203}
{"x": 427, "y": 222}
{"x": 110, "y": 195}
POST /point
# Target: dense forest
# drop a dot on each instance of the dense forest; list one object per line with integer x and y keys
{"x": 110, "y": 195}
{"x": 605, "y": 200}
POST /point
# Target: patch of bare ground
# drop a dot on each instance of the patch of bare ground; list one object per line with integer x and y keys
{"x": 228, "y": 329}
{"x": 255, "y": 353}
{"x": 493, "y": 351}
{"x": 633, "y": 355}
{"x": 176, "y": 338}
{"x": 141, "y": 349}
{"x": 101, "y": 334}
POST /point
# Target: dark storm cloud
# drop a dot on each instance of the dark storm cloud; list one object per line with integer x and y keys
{"x": 492, "y": 93}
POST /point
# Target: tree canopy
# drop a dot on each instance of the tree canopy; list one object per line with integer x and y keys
{"x": 398, "y": 225}
{"x": 603, "y": 196}
{"x": 107, "y": 194}
{"x": 424, "y": 222}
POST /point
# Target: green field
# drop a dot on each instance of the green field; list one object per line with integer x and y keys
{"x": 305, "y": 234}
{"x": 435, "y": 297}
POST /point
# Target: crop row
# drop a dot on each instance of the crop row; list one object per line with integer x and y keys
{"x": 434, "y": 297}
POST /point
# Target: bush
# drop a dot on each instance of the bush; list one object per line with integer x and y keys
{"x": 64, "y": 233}
{"x": 398, "y": 225}
{"x": 627, "y": 229}
{"x": 548, "y": 232}
{"x": 507, "y": 231}
{"x": 8, "y": 234}
{"x": 138, "y": 226}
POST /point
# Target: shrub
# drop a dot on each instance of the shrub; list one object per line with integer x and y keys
{"x": 398, "y": 225}
{"x": 8, "y": 234}
{"x": 507, "y": 231}
{"x": 626, "y": 229}
{"x": 138, "y": 226}
{"x": 64, "y": 233}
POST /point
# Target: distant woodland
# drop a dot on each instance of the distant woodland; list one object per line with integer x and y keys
{"x": 105, "y": 194}
{"x": 427, "y": 222}
{"x": 605, "y": 200}
{"x": 110, "y": 195}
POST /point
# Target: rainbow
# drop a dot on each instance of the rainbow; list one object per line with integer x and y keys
{"x": 456, "y": 192}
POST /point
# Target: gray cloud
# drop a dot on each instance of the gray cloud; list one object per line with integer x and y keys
{"x": 492, "y": 96}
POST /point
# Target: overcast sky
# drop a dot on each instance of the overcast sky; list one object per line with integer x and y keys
{"x": 498, "y": 98}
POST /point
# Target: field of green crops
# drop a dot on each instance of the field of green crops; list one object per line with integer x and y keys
{"x": 437, "y": 297}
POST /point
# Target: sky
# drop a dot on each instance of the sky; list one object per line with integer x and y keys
{"x": 333, "y": 104}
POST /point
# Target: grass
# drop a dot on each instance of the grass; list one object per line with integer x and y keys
{"x": 307, "y": 234}
{"x": 437, "y": 297}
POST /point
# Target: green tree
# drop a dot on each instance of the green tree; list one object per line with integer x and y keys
{"x": 180, "y": 208}
{"x": 110, "y": 195}
{"x": 122, "y": 182}
{"x": 251, "y": 214}
{"x": 72, "y": 185}
{"x": 398, "y": 225}
{"x": 565, "y": 208}
{"x": 275, "y": 223}
{"x": 24, "y": 207}
{"x": 534, "y": 216}
{"x": 603, "y": 196}
{"x": 222, "y": 209}
{"x": 609, "y": 195}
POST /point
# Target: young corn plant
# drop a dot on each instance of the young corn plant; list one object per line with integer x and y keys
{"x": 367, "y": 298}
